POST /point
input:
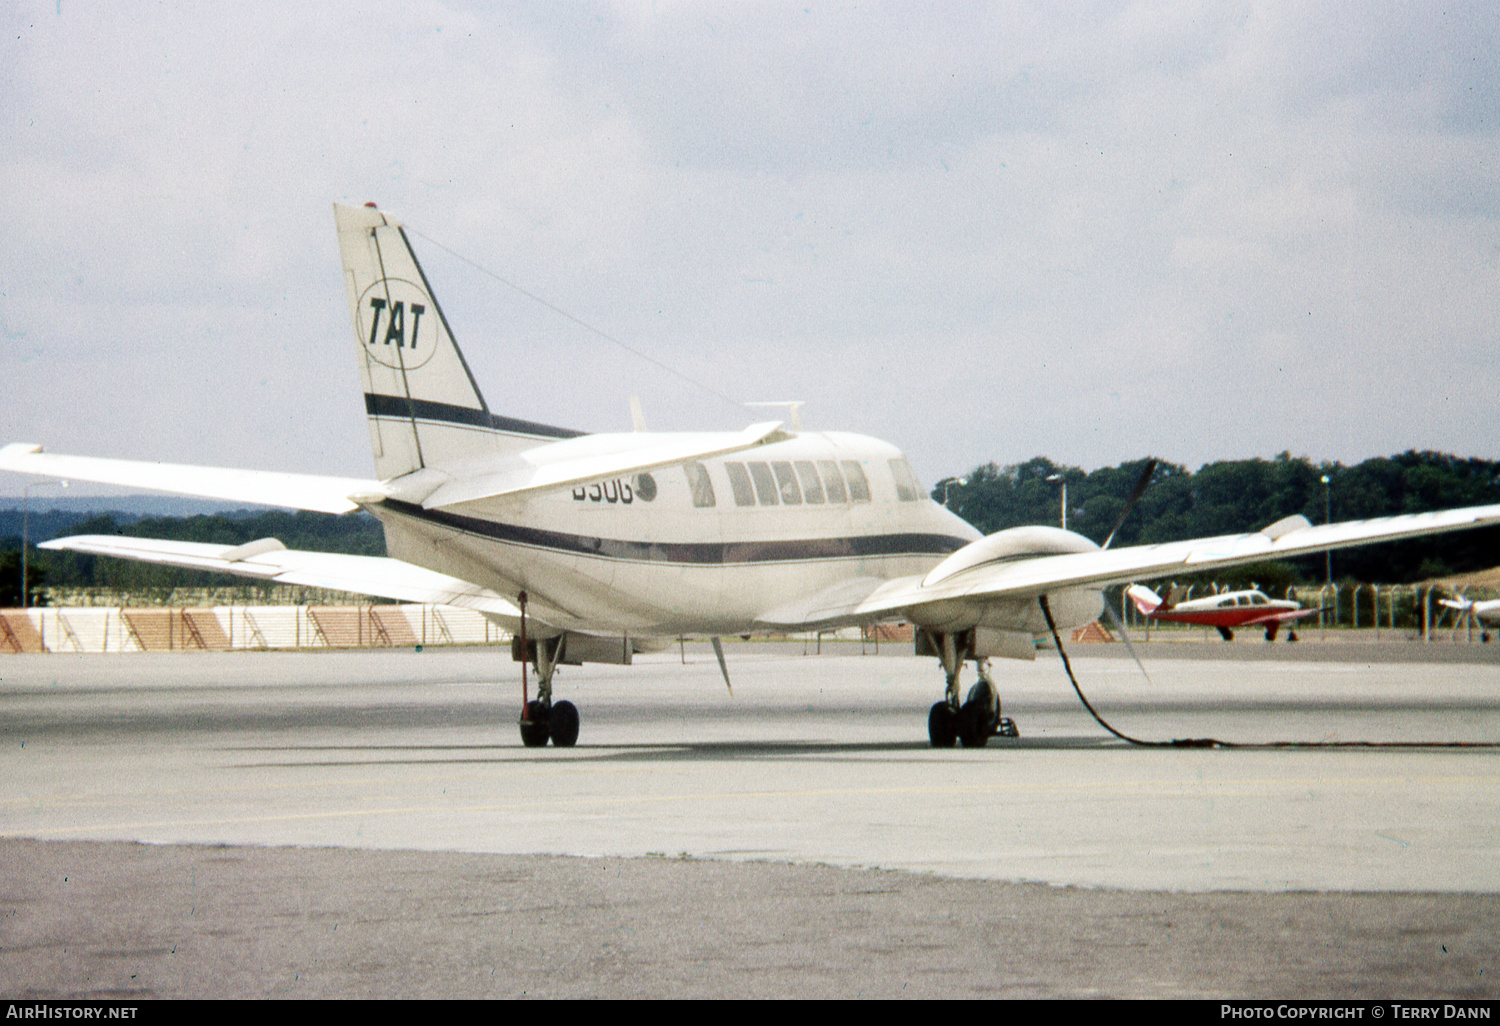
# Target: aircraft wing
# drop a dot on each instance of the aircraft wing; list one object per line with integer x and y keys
{"x": 967, "y": 579}
{"x": 1487, "y": 610}
{"x": 260, "y": 487}
{"x": 269, "y": 560}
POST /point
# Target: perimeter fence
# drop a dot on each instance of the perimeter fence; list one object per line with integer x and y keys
{"x": 1367, "y": 611}
{"x": 225, "y": 628}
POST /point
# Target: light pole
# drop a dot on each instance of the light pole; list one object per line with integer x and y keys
{"x": 26, "y": 533}
{"x": 960, "y": 481}
{"x": 1064, "y": 481}
{"x": 1327, "y": 519}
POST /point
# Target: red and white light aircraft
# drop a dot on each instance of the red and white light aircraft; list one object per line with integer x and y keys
{"x": 1225, "y": 611}
{"x": 589, "y": 547}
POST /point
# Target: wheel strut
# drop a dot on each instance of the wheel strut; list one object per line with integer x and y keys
{"x": 976, "y": 719}
{"x": 541, "y": 719}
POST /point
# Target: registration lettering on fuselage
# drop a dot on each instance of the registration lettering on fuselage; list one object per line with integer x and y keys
{"x": 619, "y": 490}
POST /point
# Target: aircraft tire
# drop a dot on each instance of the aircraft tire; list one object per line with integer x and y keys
{"x": 564, "y": 724}
{"x": 942, "y": 725}
{"x": 974, "y": 724}
{"x": 535, "y": 725}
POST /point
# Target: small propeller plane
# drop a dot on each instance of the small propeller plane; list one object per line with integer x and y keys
{"x": 1225, "y": 611}
{"x": 592, "y": 547}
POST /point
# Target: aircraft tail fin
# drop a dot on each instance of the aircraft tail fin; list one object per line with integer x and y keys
{"x": 423, "y": 404}
{"x": 1146, "y": 600}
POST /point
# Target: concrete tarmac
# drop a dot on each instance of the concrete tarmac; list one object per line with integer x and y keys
{"x": 367, "y": 824}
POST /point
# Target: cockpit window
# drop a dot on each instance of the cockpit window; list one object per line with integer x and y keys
{"x": 859, "y": 486}
{"x": 700, "y": 484}
{"x": 907, "y": 488}
{"x": 739, "y": 481}
{"x": 812, "y": 488}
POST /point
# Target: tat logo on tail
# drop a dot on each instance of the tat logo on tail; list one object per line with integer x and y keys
{"x": 391, "y": 324}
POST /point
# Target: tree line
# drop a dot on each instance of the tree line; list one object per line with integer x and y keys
{"x": 1228, "y": 497}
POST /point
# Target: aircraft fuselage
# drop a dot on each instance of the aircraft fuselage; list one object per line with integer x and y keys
{"x": 702, "y": 548}
{"x": 1233, "y": 609}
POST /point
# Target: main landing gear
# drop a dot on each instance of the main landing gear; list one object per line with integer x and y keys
{"x": 541, "y": 718}
{"x": 542, "y": 722}
{"x": 975, "y": 720}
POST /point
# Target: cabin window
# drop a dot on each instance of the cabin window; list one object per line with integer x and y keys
{"x": 700, "y": 485}
{"x": 907, "y": 488}
{"x": 739, "y": 481}
{"x": 833, "y": 481}
{"x": 859, "y": 487}
{"x": 786, "y": 482}
{"x": 765, "y": 484}
{"x": 812, "y": 488}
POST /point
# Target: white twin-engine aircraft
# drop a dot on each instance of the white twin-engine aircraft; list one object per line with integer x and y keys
{"x": 592, "y": 547}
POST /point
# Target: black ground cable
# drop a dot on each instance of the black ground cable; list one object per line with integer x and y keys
{"x": 1068, "y": 666}
{"x": 1210, "y": 742}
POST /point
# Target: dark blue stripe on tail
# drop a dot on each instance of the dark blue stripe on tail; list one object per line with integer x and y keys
{"x": 447, "y": 413}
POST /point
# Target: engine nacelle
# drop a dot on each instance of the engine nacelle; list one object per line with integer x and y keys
{"x": 1008, "y": 546}
{"x": 1020, "y": 615}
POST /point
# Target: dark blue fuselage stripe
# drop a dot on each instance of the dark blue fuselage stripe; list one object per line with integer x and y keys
{"x": 447, "y": 413}
{"x": 694, "y": 553}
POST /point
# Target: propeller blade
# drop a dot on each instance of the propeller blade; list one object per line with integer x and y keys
{"x": 723, "y": 668}
{"x": 1135, "y": 494}
{"x": 1114, "y": 620}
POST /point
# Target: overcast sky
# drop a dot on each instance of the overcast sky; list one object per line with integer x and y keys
{"x": 1090, "y": 231}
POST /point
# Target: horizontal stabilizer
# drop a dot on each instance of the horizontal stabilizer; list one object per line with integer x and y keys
{"x": 257, "y": 487}
{"x": 588, "y": 458}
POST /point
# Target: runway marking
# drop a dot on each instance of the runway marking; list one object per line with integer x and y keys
{"x": 1247, "y": 786}
{"x": 552, "y": 802}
